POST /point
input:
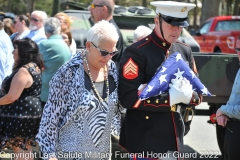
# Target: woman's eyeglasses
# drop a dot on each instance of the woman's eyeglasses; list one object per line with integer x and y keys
{"x": 34, "y": 19}
{"x": 237, "y": 49}
{"x": 95, "y": 5}
{"x": 103, "y": 52}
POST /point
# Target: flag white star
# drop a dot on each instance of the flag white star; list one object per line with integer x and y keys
{"x": 204, "y": 91}
{"x": 149, "y": 88}
{"x": 193, "y": 74}
{"x": 160, "y": 92}
{"x": 178, "y": 74}
{"x": 178, "y": 57}
{"x": 163, "y": 78}
{"x": 163, "y": 69}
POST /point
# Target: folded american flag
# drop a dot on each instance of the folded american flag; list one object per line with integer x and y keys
{"x": 173, "y": 67}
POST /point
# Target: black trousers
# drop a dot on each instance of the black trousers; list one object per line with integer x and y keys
{"x": 232, "y": 141}
{"x": 220, "y": 130}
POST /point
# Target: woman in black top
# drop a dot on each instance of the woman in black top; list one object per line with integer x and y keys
{"x": 20, "y": 105}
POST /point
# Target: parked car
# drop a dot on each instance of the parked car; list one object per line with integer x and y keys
{"x": 126, "y": 22}
{"x": 219, "y": 34}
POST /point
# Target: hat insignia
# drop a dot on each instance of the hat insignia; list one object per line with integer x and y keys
{"x": 183, "y": 9}
{"x": 164, "y": 44}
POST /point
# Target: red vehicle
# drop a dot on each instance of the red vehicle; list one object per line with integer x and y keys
{"x": 219, "y": 34}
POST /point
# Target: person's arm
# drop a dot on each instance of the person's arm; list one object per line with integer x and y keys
{"x": 73, "y": 47}
{"x": 221, "y": 118}
{"x": 128, "y": 88}
{"x": 232, "y": 111}
{"x": 2, "y": 64}
{"x": 52, "y": 114}
{"x": 195, "y": 95}
{"x": 189, "y": 57}
{"x": 22, "y": 79}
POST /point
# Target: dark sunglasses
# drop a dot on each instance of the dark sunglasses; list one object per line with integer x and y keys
{"x": 105, "y": 53}
{"x": 34, "y": 19}
{"x": 237, "y": 49}
{"x": 95, "y": 5}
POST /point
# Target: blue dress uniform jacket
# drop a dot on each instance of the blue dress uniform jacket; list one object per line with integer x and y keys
{"x": 149, "y": 126}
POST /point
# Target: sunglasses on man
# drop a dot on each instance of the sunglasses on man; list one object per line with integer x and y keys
{"x": 34, "y": 19}
{"x": 95, "y": 5}
{"x": 104, "y": 52}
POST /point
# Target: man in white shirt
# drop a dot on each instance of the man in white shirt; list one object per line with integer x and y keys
{"x": 37, "y": 33}
{"x": 6, "y": 57}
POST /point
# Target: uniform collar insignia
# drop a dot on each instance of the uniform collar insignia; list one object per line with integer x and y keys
{"x": 158, "y": 40}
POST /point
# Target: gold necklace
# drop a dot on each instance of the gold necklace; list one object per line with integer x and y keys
{"x": 93, "y": 85}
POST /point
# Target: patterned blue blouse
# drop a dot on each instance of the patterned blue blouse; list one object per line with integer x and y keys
{"x": 74, "y": 120}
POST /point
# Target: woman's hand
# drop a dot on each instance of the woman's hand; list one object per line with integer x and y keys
{"x": 52, "y": 159}
{"x": 221, "y": 118}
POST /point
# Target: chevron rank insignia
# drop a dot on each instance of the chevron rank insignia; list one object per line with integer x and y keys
{"x": 130, "y": 69}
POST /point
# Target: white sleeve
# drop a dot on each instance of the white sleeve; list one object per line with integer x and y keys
{"x": 73, "y": 47}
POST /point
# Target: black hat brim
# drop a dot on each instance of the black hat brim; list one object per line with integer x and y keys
{"x": 181, "y": 22}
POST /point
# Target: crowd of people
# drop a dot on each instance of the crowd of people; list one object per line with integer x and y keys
{"x": 67, "y": 102}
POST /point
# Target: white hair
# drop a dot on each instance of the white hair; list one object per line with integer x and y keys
{"x": 52, "y": 26}
{"x": 141, "y": 32}
{"x": 42, "y": 14}
{"x": 101, "y": 31}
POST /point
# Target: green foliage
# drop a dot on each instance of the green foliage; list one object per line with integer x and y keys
{"x": 15, "y": 6}
{"x": 20, "y": 6}
{"x": 45, "y": 5}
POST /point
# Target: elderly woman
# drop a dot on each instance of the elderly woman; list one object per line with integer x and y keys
{"x": 66, "y": 25}
{"x": 55, "y": 53}
{"x": 20, "y": 107}
{"x": 81, "y": 111}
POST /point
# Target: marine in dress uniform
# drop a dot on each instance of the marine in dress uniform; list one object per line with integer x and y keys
{"x": 152, "y": 127}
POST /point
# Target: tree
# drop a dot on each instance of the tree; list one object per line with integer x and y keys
{"x": 236, "y": 8}
{"x": 144, "y": 3}
{"x": 30, "y": 6}
{"x": 210, "y": 8}
{"x": 56, "y": 7}
{"x": 9, "y": 5}
{"x": 195, "y": 15}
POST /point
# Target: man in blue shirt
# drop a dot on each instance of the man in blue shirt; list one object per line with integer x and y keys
{"x": 6, "y": 57}
{"x": 37, "y": 33}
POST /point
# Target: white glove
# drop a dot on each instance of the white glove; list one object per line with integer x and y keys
{"x": 180, "y": 91}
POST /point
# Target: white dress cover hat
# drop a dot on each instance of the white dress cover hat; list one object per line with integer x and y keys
{"x": 174, "y": 13}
